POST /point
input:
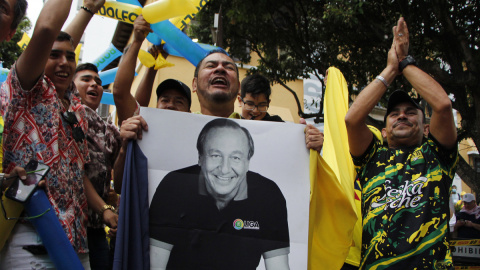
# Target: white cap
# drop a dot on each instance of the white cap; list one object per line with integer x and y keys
{"x": 468, "y": 197}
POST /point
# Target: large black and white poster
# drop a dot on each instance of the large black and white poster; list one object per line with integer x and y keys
{"x": 226, "y": 193}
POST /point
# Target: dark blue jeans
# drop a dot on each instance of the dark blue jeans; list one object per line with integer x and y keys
{"x": 99, "y": 251}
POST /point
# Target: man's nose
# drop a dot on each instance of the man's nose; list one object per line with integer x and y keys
{"x": 95, "y": 84}
{"x": 63, "y": 60}
{"x": 220, "y": 69}
{"x": 225, "y": 166}
{"x": 402, "y": 115}
{"x": 171, "y": 105}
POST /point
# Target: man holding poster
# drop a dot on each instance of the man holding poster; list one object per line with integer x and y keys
{"x": 222, "y": 203}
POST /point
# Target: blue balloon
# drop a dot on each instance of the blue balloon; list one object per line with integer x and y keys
{"x": 107, "y": 57}
{"x": 179, "y": 41}
{"x": 154, "y": 39}
{"x": 107, "y": 98}
{"x": 108, "y": 76}
{"x": 53, "y": 236}
{"x": 207, "y": 47}
{"x": 132, "y": 2}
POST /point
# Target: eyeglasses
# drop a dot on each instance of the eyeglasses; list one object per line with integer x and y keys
{"x": 251, "y": 106}
{"x": 72, "y": 121}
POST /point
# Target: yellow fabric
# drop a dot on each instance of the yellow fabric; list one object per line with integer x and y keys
{"x": 331, "y": 218}
{"x": 335, "y": 147}
{"x": 354, "y": 255}
{"x": 332, "y": 206}
{"x": 14, "y": 209}
{"x": 355, "y": 252}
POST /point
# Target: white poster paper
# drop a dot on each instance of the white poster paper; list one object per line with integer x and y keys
{"x": 279, "y": 155}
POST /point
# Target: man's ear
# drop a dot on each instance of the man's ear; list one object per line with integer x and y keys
{"x": 239, "y": 98}
{"x": 384, "y": 133}
{"x": 194, "y": 85}
{"x": 426, "y": 130}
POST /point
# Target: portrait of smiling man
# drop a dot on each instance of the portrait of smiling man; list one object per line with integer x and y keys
{"x": 216, "y": 215}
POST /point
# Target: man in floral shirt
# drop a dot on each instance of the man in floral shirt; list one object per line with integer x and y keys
{"x": 45, "y": 120}
{"x": 103, "y": 146}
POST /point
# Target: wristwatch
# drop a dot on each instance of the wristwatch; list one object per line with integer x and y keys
{"x": 408, "y": 60}
{"x": 105, "y": 207}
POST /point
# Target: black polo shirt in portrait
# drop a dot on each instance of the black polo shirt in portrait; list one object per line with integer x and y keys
{"x": 204, "y": 237}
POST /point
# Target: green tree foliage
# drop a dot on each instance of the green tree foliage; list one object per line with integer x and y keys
{"x": 297, "y": 38}
{"x": 10, "y": 51}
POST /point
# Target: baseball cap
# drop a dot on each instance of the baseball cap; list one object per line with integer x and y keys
{"x": 175, "y": 84}
{"x": 399, "y": 96}
{"x": 468, "y": 197}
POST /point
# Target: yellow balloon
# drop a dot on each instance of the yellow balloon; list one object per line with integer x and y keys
{"x": 120, "y": 11}
{"x": 24, "y": 41}
{"x": 182, "y": 21}
{"x": 162, "y": 63}
{"x": 166, "y": 9}
{"x": 146, "y": 58}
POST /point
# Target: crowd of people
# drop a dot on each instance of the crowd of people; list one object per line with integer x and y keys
{"x": 49, "y": 104}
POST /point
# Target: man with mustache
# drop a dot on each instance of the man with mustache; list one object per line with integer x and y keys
{"x": 405, "y": 185}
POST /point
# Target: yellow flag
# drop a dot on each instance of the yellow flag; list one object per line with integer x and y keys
{"x": 332, "y": 206}
{"x": 331, "y": 218}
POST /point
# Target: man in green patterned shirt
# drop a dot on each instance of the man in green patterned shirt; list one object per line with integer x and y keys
{"x": 405, "y": 186}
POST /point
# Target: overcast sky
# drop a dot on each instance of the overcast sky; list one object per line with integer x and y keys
{"x": 98, "y": 34}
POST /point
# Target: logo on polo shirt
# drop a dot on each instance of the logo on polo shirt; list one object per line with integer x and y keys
{"x": 239, "y": 224}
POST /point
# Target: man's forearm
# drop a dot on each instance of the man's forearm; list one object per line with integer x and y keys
{"x": 124, "y": 100}
{"x": 442, "y": 123}
{"x": 144, "y": 90}
{"x": 32, "y": 61}
{"x": 360, "y": 135}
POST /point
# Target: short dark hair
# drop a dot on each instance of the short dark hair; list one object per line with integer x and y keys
{"x": 86, "y": 66}
{"x": 255, "y": 85}
{"x": 64, "y": 36}
{"x": 209, "y": 53}
{"x": 223, "y": 123}
{"x": 19, "y": 11}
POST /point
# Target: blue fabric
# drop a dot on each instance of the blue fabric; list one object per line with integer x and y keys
{"x": 132, "y": 243}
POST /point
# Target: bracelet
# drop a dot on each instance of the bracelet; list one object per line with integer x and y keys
{"x": 380, "y": 78}
{"x": 105, "y": 207}
{"x": 87, "y": 10}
